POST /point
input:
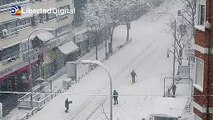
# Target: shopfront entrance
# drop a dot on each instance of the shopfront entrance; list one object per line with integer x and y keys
{"x": 16, "y": 81}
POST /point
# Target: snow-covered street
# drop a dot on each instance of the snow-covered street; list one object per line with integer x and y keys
{"x": 146, "y": 54}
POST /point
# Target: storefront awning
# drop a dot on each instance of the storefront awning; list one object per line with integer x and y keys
{"x": 68, "y": 47}
{"x": 45, "y": 36}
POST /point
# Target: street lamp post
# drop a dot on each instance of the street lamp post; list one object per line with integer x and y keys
{"x": 174, "y": 44}
{"x": 29, "y": 62}
{"x": 97, "y": 37}
{"x": 108, "y": 73}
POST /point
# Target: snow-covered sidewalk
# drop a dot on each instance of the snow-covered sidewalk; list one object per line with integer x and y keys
{"x": 142, "y": 100}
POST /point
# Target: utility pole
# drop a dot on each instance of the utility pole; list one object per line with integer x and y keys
{"x": 29, "y": 62}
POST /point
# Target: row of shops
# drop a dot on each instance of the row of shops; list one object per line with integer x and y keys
{"x": 47, "y": 63}
{"x": 43, "y": 64}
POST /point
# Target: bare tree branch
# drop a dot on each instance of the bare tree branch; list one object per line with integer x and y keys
{"x": 178, "y": 59}
{"x": 177, "y": 53}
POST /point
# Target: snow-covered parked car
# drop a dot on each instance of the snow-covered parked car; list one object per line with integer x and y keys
{"x": 168, "y": 109}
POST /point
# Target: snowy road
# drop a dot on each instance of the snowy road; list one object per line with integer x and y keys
{"x": 146, "y": 54}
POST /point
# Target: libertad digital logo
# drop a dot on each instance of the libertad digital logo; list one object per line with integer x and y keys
{"x": 16, "y": 10}
{"x": 56, "y": 11}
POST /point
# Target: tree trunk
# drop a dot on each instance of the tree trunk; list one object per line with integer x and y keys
{"x": 181, "y": 52}
{"x": 111, "y": 38}
{"x": 96, "y": 45}
{"x": 193, "y": 30}
{"x": 127, "y": 32}
{"x": 106, "y": 53}
{"x": 127, "y": 36}
{"x": 180, "y": 61}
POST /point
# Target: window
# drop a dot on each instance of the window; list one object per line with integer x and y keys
{"x": 42, "y": 18}
{"x": 51, "y": 16}
{"x": 63, "y": 29}
{"x": 10, "y": 54}
{"x": 63, "y": 14}
{"x": 196, "y": 117}
{"x": 201, "y": 12}
{"x": 45, "y": 17}
{"x": 24, "y": 22}
{"x": 199, "y": 73}
{"x": 3, "y": 2}
{"x": 9, "y": 29}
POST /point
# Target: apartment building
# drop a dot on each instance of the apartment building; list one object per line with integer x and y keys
{"x": 47, "y": 49}
{"x": 203, "y": 82}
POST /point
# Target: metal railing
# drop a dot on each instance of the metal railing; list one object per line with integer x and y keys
{"x": 38, "y": 102}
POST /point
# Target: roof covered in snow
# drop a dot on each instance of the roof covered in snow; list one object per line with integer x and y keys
{"x": 45, "y": 36}
{"x": 68, "y": 47}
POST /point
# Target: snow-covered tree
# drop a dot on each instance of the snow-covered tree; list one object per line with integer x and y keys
{"x": 185, "y": 31}
{"x": 97, "y": 18}
{"x": 111, "y": 13}
{"x": 113, "y": 7}
{"x": 79, "y": 15}
{"x": 189, "y": 14}
{"x": 129, "y": 9}
{"x": 180, "y": 31}
{"x": 97, "y": 15}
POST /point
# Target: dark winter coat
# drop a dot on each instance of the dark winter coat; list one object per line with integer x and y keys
{"x": 174, "y": 88}
{"x": 115, "y": 94}
{"x": 67, "y": 103}
{"x": 133, "y": 74}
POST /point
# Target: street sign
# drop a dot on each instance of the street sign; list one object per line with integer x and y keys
{"x": 184, "y": 71}
{"x": 71, "y": 70}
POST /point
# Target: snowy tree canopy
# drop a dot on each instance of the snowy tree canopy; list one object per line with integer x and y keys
{"x": 97, "y": 15}
{"x": 103, "y": 13}
{"x": 180, "y": 30}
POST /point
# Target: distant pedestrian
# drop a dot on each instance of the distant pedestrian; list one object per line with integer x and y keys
{"x": 167, "y": 52}
{"x": 174, "y": 89}
{"x": 110, "y": 48}
{"x": 133, "y": 74}
{"x": 67, "y": 102}
{"x": 115, "y": 96}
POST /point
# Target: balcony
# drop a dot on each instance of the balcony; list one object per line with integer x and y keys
{"x": 9, "y": 64}
{"x": 5, "y": 7}
{"x": 9, "y": 33}
{"x": 10, "y": 60}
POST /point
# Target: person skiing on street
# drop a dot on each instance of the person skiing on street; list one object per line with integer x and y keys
{"x": 133, "y": 74}
{"x": 67, "y": 102}
{"x": 115, "y": 96}
{"x": 174, "y": 89}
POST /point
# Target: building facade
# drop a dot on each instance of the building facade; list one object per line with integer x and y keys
{"x": 46, "y": 50}
{"x": 203, "y": 79}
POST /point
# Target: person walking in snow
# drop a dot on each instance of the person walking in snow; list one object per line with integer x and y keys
{"x": 115, "y": 96}
{"x": 133, "y": 74}
{"x": 67, "y": 102}
{"x": 174, "y": 89}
